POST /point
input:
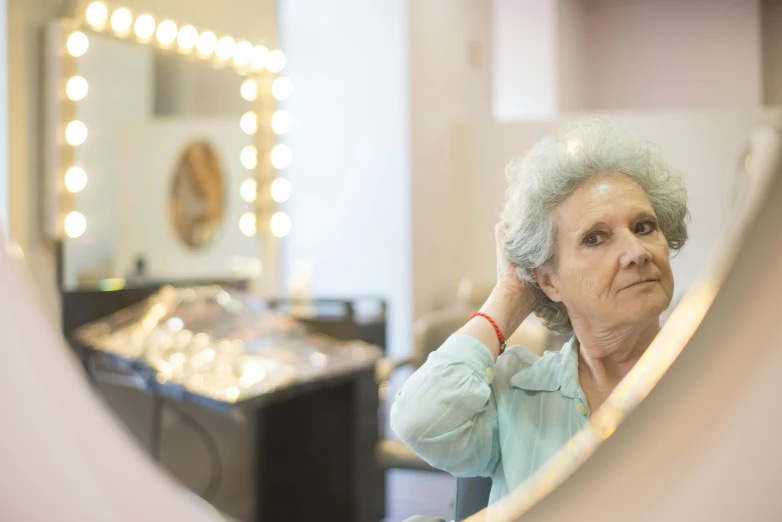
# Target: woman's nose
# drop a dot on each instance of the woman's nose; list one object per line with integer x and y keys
{"x": 633, "y": 251}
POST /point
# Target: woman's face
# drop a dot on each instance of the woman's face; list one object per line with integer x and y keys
{"x": 612, "y": 259}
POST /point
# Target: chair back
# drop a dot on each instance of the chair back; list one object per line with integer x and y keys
{"x": 433, "y": 329}
{"x": 472, "y": 495}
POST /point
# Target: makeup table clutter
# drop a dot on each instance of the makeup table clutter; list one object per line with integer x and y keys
{"x": 310, "y": 399}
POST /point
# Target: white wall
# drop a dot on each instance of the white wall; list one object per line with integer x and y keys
{"x": 450, "y": 82}
{"x": 524, "y": 59}
{"x": 705, "y": 146}
{"x": 668, "y": 54}
{"x": 349, "y": 63}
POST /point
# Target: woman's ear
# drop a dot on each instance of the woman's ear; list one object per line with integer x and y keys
{"x": 544, "y": 277}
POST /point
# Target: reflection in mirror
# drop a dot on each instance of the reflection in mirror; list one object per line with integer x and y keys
{"x": 623, "y": 198}
{"x": 619, "y": 210}
{"x": 198, "y": 195}
{"x": 191, "y": 88}
{"x": 759, "y": 185}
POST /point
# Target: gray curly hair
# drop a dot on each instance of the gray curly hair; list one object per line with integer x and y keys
{"x": 552, "y": 169}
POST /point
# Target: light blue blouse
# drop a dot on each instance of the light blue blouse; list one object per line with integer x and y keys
{"x": 467, "y": 415}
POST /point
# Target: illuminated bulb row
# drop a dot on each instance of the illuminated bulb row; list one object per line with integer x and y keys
{"x": 281, "y": 157}
{"x": 280, "y": 224}
{"x": 282, "y": 88}
{"x": 281, "y": 122}
{"x": 75, "y": 223}
{"x": 280, "y": 190}
{"x": 187, "y": 38}
{"x": 76, "y": 88}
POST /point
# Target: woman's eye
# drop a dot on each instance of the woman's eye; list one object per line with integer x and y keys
{"x": 645, "y": 227}
{"x": 593, "y": 240}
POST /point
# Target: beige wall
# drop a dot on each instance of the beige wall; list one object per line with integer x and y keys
{"x": 672, "y": 54}
{"x": 450, "y": 79}
{"x": 524, "y": 39}
{"x": 4, "y": 120}
{"x": 771, "y": 16}
{"x": 251, "y": 19}
{"x": 706, "y": 147}
{"x": 571, "y": 55}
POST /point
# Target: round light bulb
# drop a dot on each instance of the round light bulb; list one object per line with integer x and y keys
{"x": 280, "y": 224}
{"x": 75, "y": 179}
{"x": 258, "y": 57}
{"x": 281, "y": 156}
{"x": 247, "y": 224}
{"x": 121, "y": 20}
{"x": 249, "y": 157}
{"x": 243, "y": 53}
{"x": 281, "y": 122}
{"x": 282, "y": 88}
{"x": 225, "y": 48}
{"x": 248, "y": 190}
{"x": 281, "y": 190}
{"x": 75, "y": 133}
{"x": 187, "y": 38}
{"x": 275, "y": 62}
{"x": 144, "y": 26}
{"x": 249, "y": 89}
{"x": 166, "y": 32}
{"x": 77, "y": 44}
{"x": 75, "y": 224}
{"x": 96, "y": 14}
{"x": 249, "y": 123}
{"x": 207, "y": 42}
{"x": 76, "y": 88}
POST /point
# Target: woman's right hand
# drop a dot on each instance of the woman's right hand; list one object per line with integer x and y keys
{"x": 509, "y": 302}
{"x": 507, "y": 278}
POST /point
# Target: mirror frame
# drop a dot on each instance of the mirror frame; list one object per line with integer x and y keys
{"x": 259, "y": 65}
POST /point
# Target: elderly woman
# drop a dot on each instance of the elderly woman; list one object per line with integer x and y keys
{"x": 589, "y": 222}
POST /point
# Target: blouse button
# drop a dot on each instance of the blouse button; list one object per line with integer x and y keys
{"x": 582, "y": 409}
{"x": 489, "y": 375}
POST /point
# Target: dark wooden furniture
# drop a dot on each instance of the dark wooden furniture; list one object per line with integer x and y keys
{"x": 313, "y": 444}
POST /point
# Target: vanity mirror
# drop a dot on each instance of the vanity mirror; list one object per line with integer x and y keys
{"x": 165, "y": 151}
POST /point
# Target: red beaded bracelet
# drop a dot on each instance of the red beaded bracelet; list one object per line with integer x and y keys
{"x": 496, "y": 329}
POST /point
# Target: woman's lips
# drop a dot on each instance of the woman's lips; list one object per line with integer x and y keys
{"x": 645, "y": 281}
